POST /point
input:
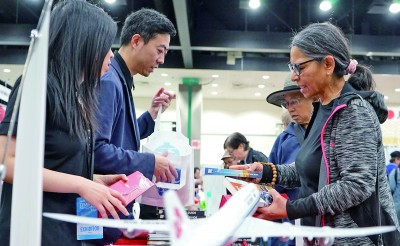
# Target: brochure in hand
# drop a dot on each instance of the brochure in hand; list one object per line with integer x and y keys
{"x": 134, "y": 187}
{"x": 232, "y": 173}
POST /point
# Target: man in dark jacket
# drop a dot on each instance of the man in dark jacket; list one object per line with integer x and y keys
{"x": 145, "y": 39}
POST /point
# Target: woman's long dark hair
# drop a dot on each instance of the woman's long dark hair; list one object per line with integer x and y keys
{"x": 81, "y": 35}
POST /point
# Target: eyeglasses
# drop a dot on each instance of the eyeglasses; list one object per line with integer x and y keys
{"x": 292, "y": 102}
{"x": 295, "y": 67}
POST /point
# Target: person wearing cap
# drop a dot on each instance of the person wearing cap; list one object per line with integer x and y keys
{"x": 340, "y": 167}
{"x": 228, "y": 160}
{"x": 287, "y": 144}
{"x": 393, "y": 163}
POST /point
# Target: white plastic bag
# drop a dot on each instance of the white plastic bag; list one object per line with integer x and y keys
{"x": 180, "y": 153}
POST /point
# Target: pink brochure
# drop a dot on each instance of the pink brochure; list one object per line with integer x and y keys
{"x": 134, "y": 187}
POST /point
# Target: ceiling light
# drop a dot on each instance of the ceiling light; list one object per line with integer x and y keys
{"x": 397, "y": 90}
{"x": 261, "y": 86}
{"x": 325, "y": 5}
{"x": 254, "y": 4}
{"x": 6, "y": 70}
{"x": 394, "y": 7}
{"x": 265, "y": 77}
{"x": 215, "y": 75}
{"x": 164, "y": 74}
{"x": 257, "y": 94}
{"x": 167, "y": 83}
{"x": 214, "y": 85}
{"x": 109, "y": 1}
{"x": 386, "y": 97}
{"x": 214, "y": 93}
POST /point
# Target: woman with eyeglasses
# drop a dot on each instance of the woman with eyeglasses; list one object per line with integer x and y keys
{"x": 341, "y": 164}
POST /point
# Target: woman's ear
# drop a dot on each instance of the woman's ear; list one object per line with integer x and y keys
{"x": 329, "y": 64}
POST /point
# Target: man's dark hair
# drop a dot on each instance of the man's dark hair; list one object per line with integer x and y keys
{"x": 148, "y": 23}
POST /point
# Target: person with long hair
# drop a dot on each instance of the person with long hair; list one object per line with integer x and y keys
{"x": 340, "y": 167}
{"x": 80, "y": 39}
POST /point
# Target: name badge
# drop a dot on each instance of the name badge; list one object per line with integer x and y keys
{"x": 83, "y": 231}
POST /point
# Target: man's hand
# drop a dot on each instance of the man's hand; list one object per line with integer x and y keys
{"x": 163, "y": 169}
{"x": 161, "y": 98}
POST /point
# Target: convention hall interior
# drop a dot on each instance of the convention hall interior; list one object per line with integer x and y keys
{"x": 230, "y": 57}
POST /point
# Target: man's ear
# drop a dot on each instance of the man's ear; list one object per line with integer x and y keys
{"x": 135, "y": 40}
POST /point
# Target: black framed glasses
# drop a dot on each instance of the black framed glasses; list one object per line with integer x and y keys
{"x": 295, "y": 67}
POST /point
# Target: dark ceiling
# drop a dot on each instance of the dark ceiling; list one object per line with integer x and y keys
{"x": 212, "y": 31}
{"x": 354, "y": 16}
